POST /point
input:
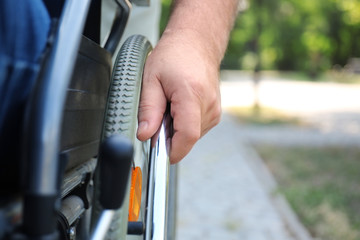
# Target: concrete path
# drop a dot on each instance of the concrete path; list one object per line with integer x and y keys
{"x": 220, "y": 196}
{"x": 226, "y": 192}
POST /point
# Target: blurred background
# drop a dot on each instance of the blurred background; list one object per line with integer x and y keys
{"x": 284, "y": 163}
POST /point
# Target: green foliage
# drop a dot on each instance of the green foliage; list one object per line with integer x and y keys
{"x": 298, "y": 35}
{"x": 165, "y": 14}
{"x": 304, "y": 35}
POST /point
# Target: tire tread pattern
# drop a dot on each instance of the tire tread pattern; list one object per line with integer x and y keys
{"x": 122, "y": 106}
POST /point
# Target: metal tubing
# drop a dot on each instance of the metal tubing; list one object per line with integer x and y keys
{"x": 72, "y": 207}
{"x": 119, "y": 24}
{"x": 77, "y": 176}
{"x": 48, "y": 103}
{"x": 158, "y": 189}
{"x": 43, "y": 124}
{"x": 103, "y": 225}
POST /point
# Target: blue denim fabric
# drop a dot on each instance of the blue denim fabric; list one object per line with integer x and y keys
{"x": 24, "y": 27}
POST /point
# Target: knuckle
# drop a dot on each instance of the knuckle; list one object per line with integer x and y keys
{"x": 215, "y": 110}
{"x": 197, "y": 88}
{"x": 192, "y": 136}
{"x": 144, "y": 110}
{"x": 217, "y": 114}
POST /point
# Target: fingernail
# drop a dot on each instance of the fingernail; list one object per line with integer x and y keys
{"x": 142, "y": 127}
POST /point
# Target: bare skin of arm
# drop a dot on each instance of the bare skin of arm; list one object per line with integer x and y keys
{"x": 183, "y": 70}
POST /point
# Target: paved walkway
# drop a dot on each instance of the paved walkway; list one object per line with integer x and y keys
{"x": 220, "y": 196}
{"x": 225, "y": 191}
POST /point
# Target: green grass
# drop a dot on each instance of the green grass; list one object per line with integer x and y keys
{"x": 322, "y": 185}
{"x": 263, "y": 116}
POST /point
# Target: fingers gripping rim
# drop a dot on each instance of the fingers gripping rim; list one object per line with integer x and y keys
{"x": 122, "y": 108}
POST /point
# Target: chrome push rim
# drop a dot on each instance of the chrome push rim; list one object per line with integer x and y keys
{"x": 156, "y": 227}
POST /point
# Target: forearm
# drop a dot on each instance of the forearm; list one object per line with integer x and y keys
{"x": 207, "y": 21}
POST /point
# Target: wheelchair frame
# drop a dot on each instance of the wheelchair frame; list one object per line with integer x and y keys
{"x": 40, "y": 207}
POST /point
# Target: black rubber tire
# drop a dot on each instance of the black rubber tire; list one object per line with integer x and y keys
{"x": 124, "y": 94}
{"x": 122, "y": 109}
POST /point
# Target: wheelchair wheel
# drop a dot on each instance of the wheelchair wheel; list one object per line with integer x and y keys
{"x": 121, "y": 118}
{"x": 121, "y": 115}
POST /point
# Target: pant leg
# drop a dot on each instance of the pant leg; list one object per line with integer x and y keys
{"x": 24, "y": 27}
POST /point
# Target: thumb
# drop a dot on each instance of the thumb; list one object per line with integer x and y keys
{"x": 151, "y": 108}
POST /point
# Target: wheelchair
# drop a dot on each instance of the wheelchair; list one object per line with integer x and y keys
{"x": 75, "y": 169}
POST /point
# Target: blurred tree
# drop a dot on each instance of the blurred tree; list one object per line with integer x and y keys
{"x": 304, "y": 35}
{"x": 300, "y": 35}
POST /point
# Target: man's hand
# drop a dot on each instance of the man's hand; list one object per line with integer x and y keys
{"x": 183, "y": 70}
{"x": 180, "y": 72}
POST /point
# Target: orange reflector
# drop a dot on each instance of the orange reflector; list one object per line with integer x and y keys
{"x": 135, "y": 194}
